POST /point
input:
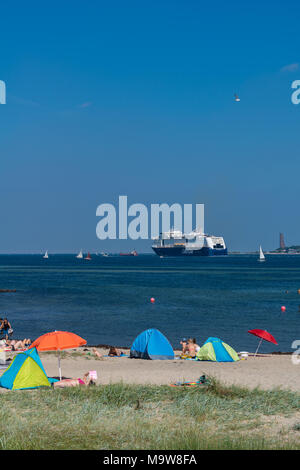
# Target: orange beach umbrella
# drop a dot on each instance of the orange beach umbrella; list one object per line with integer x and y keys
{"x": 57, "y": 341}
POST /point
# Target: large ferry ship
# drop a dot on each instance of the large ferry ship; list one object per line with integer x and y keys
{"x": 196, "y": 243}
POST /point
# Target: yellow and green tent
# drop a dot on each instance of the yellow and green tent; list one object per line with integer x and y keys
{"x": 214, "y": 349}
{"x": 26, "y": 371}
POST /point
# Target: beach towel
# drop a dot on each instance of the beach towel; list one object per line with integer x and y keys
{"x": 201, "y": 381}
{"x": 188, "y": 358}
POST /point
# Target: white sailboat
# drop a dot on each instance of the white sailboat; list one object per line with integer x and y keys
{"x": 261, "y": 254}
{"x": 46, "y": 255}
{"x": 80, "y": 255}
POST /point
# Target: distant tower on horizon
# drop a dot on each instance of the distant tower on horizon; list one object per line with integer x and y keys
{"x": 281, "y": 241}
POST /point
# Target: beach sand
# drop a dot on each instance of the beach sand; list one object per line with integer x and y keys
{"x": 265, "y": 372}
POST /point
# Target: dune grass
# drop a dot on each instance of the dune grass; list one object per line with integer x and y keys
{"x": 120, "y": 416}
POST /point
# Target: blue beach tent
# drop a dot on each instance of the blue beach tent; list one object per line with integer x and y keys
{"x": 26, "y": 371}
{"x": 214, "y": 349}
{"x": 151, "y": 344}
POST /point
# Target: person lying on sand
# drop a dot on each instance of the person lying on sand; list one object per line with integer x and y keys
{"x": 86, "y": 380}
{"x": 15, "y": 345}
{"x": 113, "y": 351}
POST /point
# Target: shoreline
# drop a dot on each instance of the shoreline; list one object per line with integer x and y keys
{"x": 176, "y": 351}
{"x": 107, "y": 346}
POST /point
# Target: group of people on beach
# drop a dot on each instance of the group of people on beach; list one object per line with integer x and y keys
{"x": 6, "y": 332}
{"x": 15, "y": 345}
{"x": 190, "y": 347}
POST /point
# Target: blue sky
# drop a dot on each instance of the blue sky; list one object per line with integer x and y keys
{"x": 136, "y": 98}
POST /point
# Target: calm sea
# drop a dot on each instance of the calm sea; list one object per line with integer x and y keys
{"x": 107, "y": 300}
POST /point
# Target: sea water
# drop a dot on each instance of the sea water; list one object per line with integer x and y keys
{"x": 107, "y": 300}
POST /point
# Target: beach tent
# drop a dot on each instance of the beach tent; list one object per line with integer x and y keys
{"x": 25, "y": 371}
{"x": 151, "y": 344}
{"x": 214, "y": 349}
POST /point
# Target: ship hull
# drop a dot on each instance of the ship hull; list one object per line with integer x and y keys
{"x": 180, "y": 251}
{"x": 128, "y": 254}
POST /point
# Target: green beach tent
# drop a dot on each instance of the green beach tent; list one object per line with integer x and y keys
{"x": 214, "y": 349}
{"x": 26, "y": 371}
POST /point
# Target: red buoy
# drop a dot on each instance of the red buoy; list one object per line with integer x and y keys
{"x": 283, "y": 308}
{"x": 152, "y": 300}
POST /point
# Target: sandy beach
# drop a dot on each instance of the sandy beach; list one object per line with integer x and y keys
{"x": 265, "y": 371}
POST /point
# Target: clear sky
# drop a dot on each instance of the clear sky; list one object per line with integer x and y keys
{"x": 137, "y": 98}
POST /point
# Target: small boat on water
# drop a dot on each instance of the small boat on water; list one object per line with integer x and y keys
{"x": 104, "y": 254}
{"x": 88, "y": 257}
{"x": 80, "y": 255}
{"x": 261, "y": 255}
{"x": 132, "y": 253}
{"x": 46, "y": 256}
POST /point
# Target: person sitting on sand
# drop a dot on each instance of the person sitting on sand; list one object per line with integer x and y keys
{"x": 192, "y": 347}
{"x": 183, "y": 343}
{"x": 113, "y": 351}
{"x": 197, "y": 347}
{"x": 86, "y": 380}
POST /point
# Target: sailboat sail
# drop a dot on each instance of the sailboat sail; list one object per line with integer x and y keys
{"x": 46, "y": 255}
{"x": 261, "y": 254}
{"x": 80, "y": 255}
{"x": 88, "y": 256}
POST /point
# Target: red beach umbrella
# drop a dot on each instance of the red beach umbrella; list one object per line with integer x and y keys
{"x": 56, "y": 341}
{"x": 262, "y": 334}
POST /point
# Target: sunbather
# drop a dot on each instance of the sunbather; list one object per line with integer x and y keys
{"x": 97, "y": 354}
{"x": 14, "y": 345}
{"x": 191, "y": 347}
{"x": 183, "y": 343}
{"x": 86, "y": 380}
{"x": 197, "y": 347}
{"x": 113, "y": 351}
